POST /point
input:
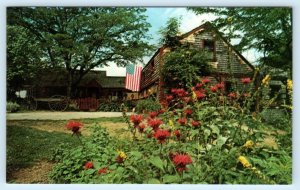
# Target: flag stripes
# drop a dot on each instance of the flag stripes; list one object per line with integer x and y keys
{"x": 133, "y": 77}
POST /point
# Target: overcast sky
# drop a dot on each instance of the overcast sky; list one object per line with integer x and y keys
{"x": 158, "y": 17}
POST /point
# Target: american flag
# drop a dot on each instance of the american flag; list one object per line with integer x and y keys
{"x": 133, "y": 77}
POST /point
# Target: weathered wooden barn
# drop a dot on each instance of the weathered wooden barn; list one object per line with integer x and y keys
{"x": 224, "y": 59}
{"x": 95, "y": 84}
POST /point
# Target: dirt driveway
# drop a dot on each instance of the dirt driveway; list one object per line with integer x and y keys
{"x": 50, "y": 115}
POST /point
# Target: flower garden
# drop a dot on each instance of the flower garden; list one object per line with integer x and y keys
{"x": 200, "y": 135}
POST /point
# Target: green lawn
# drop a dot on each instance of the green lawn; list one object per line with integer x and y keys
{"x": 29, "y": 141}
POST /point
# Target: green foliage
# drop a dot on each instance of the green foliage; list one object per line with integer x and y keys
{"x": 147, "y": 105}
{"x": 110, "y": 107}
{"x": 12, "y": 107}
{"x": 170, "y": 33}
{"x": 188, "y": 59}
{"x": 80, "y": 39}
{"x": 26, "y": 145}
{"x": 23, "y": 58}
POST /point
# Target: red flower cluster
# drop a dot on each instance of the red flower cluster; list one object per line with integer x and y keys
{"x": 180, "y": 92}
{"x": 155, "y": 123}
{"x": 153, "y": 114}
{"x": 195, "y": 123}
{"x": 213, "y": 88}
{"x": 88, "y": 165}
{"x": 103, "y": 170}
{"x": 161, "y": 135}
{"x": 232, "y": 95}
{"x": 199, "y": 95}
{"x": 182, "y": 121}
{"x": 136, "y": 119}
{"x": 205, "y": 80}
{"x": 141, "y": 128}
{"x": 177, "y": 134}
{"x": 180, "y": 161}
{"x": 74, "y": 126}
{"x": 188, "y": 111}
{"x": 198, "y": 85}
{"x": 169, "y": 98}
{"x": 246, "y": 80}
{"x": 220, "y": 85}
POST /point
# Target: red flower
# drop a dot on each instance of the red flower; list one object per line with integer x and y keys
{"x": 214, "y": 88}
{"x": 119, "y": 160}
{"x": 195, "y": 123}
{"x": 161, "y": 135}
{"x": 103, "y": 170}
{"x": 205, "y": 80}
{"x": 88, "y": 165}
{"x": 186, "y": 99}
{"x": 232, "y": 95}
{"x": 220, "y": 85}
{"x": 169, "y": 98}
{"x": 161, "y": 111}
{"x": 198, "y": 85}
{"x": 153, "y": 114}
{"x": 180, "y": 92}
{"x": 188, "y": 111}
{"x": 246, "y": 80}
{"x": 155, "y": 123}
{"x": 74, "y": 126}
{"x": 199, "y": 95}
{"x": 177, "y": 134}
{"x": 136, "y": 119}
{"x": 182, "y": 121}
{"x": 141, "y": 128}
{"x": 180, "y": 161}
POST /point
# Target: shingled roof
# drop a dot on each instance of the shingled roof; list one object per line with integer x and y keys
{"x": 58, "y": 78}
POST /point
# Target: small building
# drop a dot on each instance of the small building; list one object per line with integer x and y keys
{"x": 221, "y": 53}
{"x": 95, "y": 84}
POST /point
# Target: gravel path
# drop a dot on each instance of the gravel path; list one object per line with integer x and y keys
{"x": 49, "y": 115}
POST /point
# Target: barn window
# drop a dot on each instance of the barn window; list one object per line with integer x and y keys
{"x": 209, "y": 45}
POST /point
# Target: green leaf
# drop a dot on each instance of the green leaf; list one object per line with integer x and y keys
{"x": 215, "y": 129}
{"x": 157, "y": 162}
{"x": 171, "y": 179}
{"x": 153, "y": 181}
{"x": 90, "y": 171}
{"x": 221, "y": 141}
{"x": 136, "y": 154}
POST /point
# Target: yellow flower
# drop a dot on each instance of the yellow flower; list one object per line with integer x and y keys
{"x": 229, "y": 19}
{"x": 243, "y": 160}
{"x": 122, "y": 154}
{"x": 249, "y": 144}
{"x": 289, "y": 84}
{"x": 171, "y": 123}
{"x": 266, "y": 80}
{"x": 194, "y": 96}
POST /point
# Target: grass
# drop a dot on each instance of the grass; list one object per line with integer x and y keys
{"x": 27, "y": 145}
{"x": 29, "y": 141}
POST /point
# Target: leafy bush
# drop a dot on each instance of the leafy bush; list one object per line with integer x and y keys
{"x": 12, "y": 107}
{"x": 147, "y": 105}
{"x": 109, "y": 107}
{"x": 201, "y": 135}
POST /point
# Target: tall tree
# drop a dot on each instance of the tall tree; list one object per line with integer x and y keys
{"x": 80, "y": 39}
{"x": 170, "y": 33}
{"x": 266, "y": 29}
{"x": 23, "y": 58}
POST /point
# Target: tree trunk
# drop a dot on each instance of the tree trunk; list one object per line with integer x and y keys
{"x": 69, "y": 85}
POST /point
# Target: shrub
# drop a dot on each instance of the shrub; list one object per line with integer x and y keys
{"x": 109, "y": 107}
{"x": 147, "y": 105}
{"x": 12, "y": 107}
